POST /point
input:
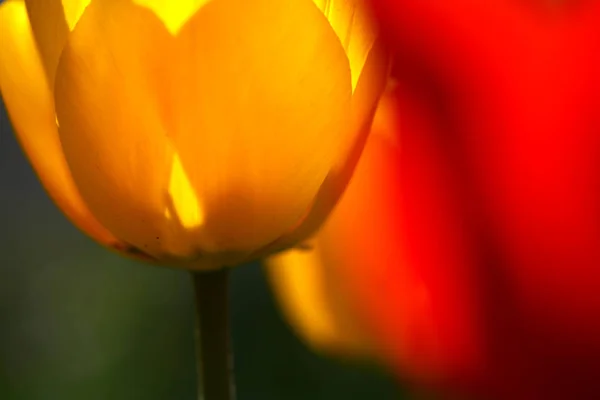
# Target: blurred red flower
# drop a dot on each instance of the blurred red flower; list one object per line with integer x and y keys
{"x": 498, "y": 190}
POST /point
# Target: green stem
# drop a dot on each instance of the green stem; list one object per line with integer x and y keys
{"x": 214, "y": 360}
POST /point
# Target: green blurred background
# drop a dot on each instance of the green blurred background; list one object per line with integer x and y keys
{"x": 79, "y": 322}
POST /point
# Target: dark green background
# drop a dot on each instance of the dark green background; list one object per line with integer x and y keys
{"x": 78, "y": 322}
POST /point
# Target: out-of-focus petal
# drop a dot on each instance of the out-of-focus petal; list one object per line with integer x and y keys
{"x": 262, "y": 108}
{"x": 30, "y": 107}
{"x": 51, "y": 22}
{"x": 366, "y": 236}
{"x": 510, "y": 171}
{"x": 311, "y": 304}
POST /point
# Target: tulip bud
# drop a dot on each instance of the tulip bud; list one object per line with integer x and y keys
{"x": 196, "y": 133}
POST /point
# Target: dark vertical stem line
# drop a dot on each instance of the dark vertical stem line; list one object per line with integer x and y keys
{"x": 214, "y": 360}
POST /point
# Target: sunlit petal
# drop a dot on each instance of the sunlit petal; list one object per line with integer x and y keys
{"x": 261, "y": 110}
{"x": 185, "y": 203}
{"x": 355, "y": 27}
{"x": 364, "y": 103}
{"x": 174, "y": 14}
{"x": 51, "y": 21}
{"x": 30, "y": 107}
{"x": 109, "y": 86}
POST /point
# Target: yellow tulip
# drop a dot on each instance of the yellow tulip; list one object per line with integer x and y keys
{"x": 307, "y": 283}
{"x": 198, "y": 133}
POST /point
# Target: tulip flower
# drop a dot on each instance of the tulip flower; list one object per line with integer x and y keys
{"x": 197, "y": 134}
{"x": 200, "y": 134}
{"x": 473, "y": 260}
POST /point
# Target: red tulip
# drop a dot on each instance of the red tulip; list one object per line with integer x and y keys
{"x": 470, "y": 254}
{"x": 500, "y": 182}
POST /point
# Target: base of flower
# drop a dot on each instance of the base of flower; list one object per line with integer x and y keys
{"x": 214, "y": 360}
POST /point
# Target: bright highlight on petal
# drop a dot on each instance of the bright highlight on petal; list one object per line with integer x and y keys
{"x": 73, "y": 10}
{"x": 174, "y": 14}
{"x": 354, "y": 26}
{"x": 183, "y": 197}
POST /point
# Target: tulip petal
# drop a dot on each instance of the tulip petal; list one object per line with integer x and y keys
{"x": 109, "y": 87}
{"x": 213, "y": 141}
{"x": 262, "y": 104}
{"x": 353, "y": 24}
{"x": 51, "y": 21}
{"x": 313, "y": 307}
{"x": 364, "y": 103}
{"x": 31, "y": 110}
{"x": 174, "y": 17}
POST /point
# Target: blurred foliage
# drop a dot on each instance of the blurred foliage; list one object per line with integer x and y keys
{"x": 79, "y": 322}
